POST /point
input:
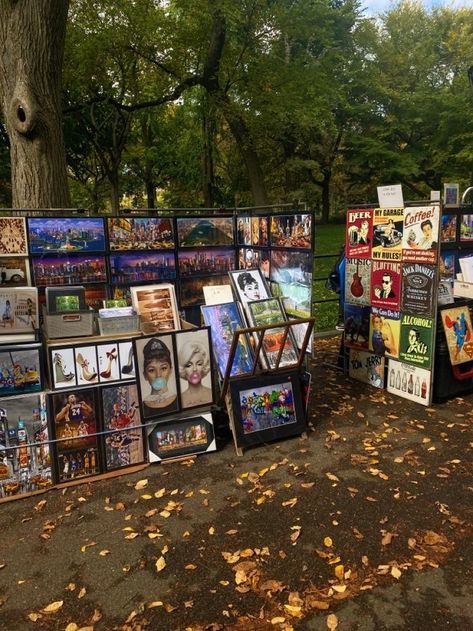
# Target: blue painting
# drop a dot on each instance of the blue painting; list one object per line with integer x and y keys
{"x": 66, "y": 234}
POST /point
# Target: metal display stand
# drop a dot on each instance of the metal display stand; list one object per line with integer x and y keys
{"x": 259, "y": 332}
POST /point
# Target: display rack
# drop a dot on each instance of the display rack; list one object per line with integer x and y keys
{"x": 259, "y": 332}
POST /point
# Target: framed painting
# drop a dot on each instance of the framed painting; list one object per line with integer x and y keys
{"x": 157, "y": 306}
{"x": 124, "y": 445}
{"x": 267, "y": 407}
{"x": 194, "y": 357}
{"x": 69, "y": 270}
{"x": 184, "y": 437}
{"x": 139, "y": 267}
{"x": 158, "y": 381}
{"x": 21, "y": 369}
{"x": 448, "y": 228}
{"x": 270, "y": 311}
{"x": 25, "y": 445}
{"x": 66, "y": 234}
{"x": 249, "y": 285}
{"x": 204, "y": 231}
{"x": 215, "y": 261}
{"x": 140, "y": 233}
{"x": 223, "y": 321}
{"x": 15, "y": 272}
{"x": 76, "y": 427}
{"x": 291, "y": 231}
{"x": 451, "y": 194}
{"x": 13, "y": 236}
{"x": 64, "y": 299}
{"x": 18, "y": 310}
{"x": 458, "y": 330}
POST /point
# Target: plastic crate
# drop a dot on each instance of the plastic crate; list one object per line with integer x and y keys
{"x": 119, "y": 324}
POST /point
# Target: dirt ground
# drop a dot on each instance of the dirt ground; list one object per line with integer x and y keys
{"x": 365, "y": 524}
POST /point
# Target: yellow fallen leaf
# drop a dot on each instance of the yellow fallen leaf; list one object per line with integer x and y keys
{"x": 82, "y": 593}
{"x": 186, "y": 534}
{"x": 432, "y": 538}
{"x": 147, "y": 496}
{"x": 174, "y": 492}
{"x": 339, "y": 588}
{"x": 333, "y": 477}
{"x": 293, "y": 611}
{"x": 328, "y": 542}
{"x": 261, "y": 500}
{"x": 396, "y": 572}
{"x": 278, "y": 620}
{"x": 72, "y": 626}
{"x": 332, "y": 622}
{"x": 103, "y": 553}
{"x": 159, "y": 493}
{"x": 34, "y": 616}
{"x": 154, "y": 535}
{"x": 340, "y": 572}
{"x": 317, "y": 604}
{"x": 211, "y": 530}
{"x": 160, "y": 564}
{"x": 231, "y": 532}
{"x": 292, "y": 502}
{"x": 165, "y": 513}
{"x": 87, "y": 545}
{"x": 334, "y": 560}
{"x": 155, "y": 603}
{"x": 132, "y": 535}
{"x": 263, "y": 472}
{"x": 141, "y": 484}
{"x": 81, "y": 499}
{"x": 128, "y": 529}
{"x": 53, "y": 607}
{"x": 71, "y": 587}
{"x": 190, "y": 566}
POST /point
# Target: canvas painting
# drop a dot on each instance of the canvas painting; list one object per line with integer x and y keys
{"x": 458, "y": 332}
{"x": 203, "y": 231}
{"x": 291, "y": 231}
{"x": 223, "y": 321}
{"x": 121, "y": 416}
{"x": 466, "y": 228}
{"x": 157, "y": 370}
{"x": 69, "y": 270}
{"x": 451, "y": 194}
{"x": 66, "y": 234}
{"x": 24, "y": 424}
{"x": 18, "y": 310}
{"x": 409, "y": 382}
{"x": 359, "y": 235}
{"x": 196, "y": 262}
{"x": 140, "y": 267}
{"x": 185, "y": 437}
{"x": 194, "y": 359}
{"x": 447, "y": 265}
{"x": 13, "y": 236}
{"x": 20, "y": 369}
{"x": 387, "y": 234}
{"x": 192, "y": 289}
{"x": 448, "y": 230}
{"x": 140, "y": 233}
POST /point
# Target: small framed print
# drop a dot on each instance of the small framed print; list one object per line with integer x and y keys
{"x": 157, "y": 306}
{"x": 64, "y": 299}
{"x": 13, "y": 236}
{"x": 69, "y": 270}
{"x": 140, "y": 233}
{"x": 124, "y": 445}
{"x": 249, "y": 285}
{"x": 75, "y": 423}
{"x": 270, "y": 311}
{"x": 451, "y": 194}
{"x": 204, "y": 231}
{"x": 267, "y": 407}
{"x": 185, "y": 437}
{"x": 194, "y": 357}
{"x": 20, "y": 369}
{"x": 14, "y": 272}
{"x": 291, "y": 231}
{"x": 18, "y": 310}
{"x": 466, "y": 227}
{"x": 458, "y": 329}
{"x": 86, "y": 365}
{"x": 156, "y": 367}
{"x": 243, "y": 230}
{"x": 63, "y": 367}
{"x": 108, "y": 367}
{"x": 223, "y": 321}
{"x": 127, "y": 360}
{"x": 249, "y": 258}
{"x": 66, "y": 234}
{"x": 191, "y": 290}
{"x": 448, "y": 228}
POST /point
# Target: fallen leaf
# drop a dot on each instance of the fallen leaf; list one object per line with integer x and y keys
{"x": 332, "y": 622}
{"x": 339, "y": 588}
{"x": 159, "y": 493}
{"x": 432, "y": 538}
{"x": 82, "y": 593}
{"x": 340, "y": 572}
{"x": 132, "y": 535}
{"x": 71, "y": 627}
{"x": 328, "y": 542}
{"x": 396, "y": 572}
{"x": 190, "y": 566}
{"x": 141, "y": 484}
{"x": 103, "y": 553}
{"x": 231, "y": 532}
{"x": 155, "y": 603}
{"x": 160, "y": 564}
{"x": 34, "y": 616}
{"x": 211, "y": 530}
{"x": 146, "y": 496}
{"x": 296, "y": 612}
{"x": 333, "y": 477}
{"x": 53, "y": 607}
{"x": 292, "y": 502}
{"x": 278, "y": 620}
{"x": 387, "y": 538}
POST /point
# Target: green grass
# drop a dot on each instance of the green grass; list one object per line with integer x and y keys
{"x": 328, "y": 240}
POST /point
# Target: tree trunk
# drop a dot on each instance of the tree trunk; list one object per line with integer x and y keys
{"x": 32, "y": 35}
{"x": 208, "y": 137}
{"x": 113, "y": 178}
{"x": 326, "y": 195}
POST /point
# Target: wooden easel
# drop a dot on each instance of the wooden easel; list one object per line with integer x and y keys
{"x": 259, "y": 332}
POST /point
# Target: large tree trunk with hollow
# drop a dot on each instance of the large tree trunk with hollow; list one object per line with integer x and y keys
{"x": 32, "y": 35}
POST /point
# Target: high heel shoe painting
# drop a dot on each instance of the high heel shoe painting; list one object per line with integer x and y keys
{"x": 109, "y": 359}
{"x": 128, "y": 369}
{"x": 61, "y": 374}
{"x": 86, "y": 373}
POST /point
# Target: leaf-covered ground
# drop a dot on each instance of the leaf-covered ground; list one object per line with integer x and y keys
{"x": 365, "y": 524}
